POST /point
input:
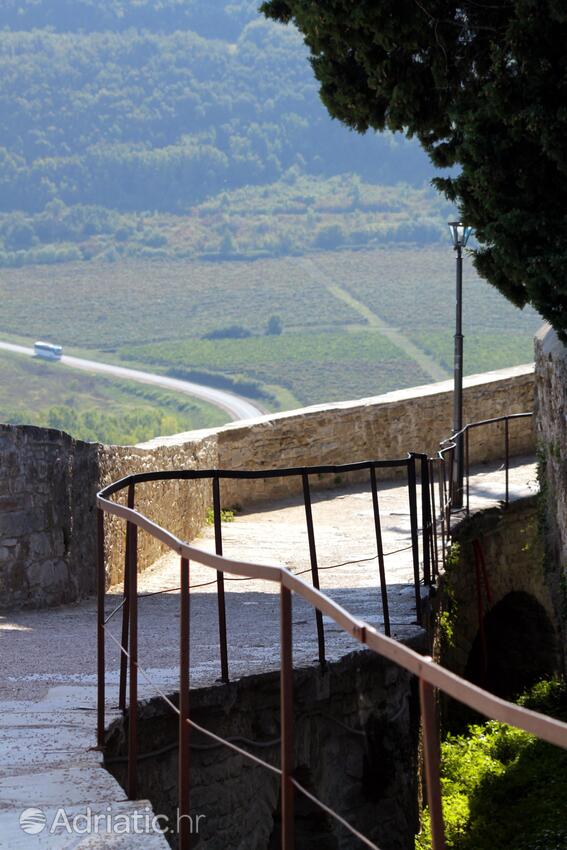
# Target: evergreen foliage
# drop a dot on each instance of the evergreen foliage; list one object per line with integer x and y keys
{"x": 482, "y": 86}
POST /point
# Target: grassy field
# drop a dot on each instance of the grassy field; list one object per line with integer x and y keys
{"x": 99, "y": 305}
{"x": 480, "y": 348}
{"x": 414, "y": 291}
{"x": 355, "y": 323}
{"x": 91, "y": 407}
{"x": 316, "y": 367}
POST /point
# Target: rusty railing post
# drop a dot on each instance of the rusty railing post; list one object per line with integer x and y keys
{"x": 507, "y": 455}
{"x": 380, "y": 550}
{"x": 314, "y": 565}
{"x": 432, "y": 757}
{"x": 467, "y": 467}
{"x": 440, "y": 475}
{"x": 435, "y": 543}
{"x": 286, "y": 719}
{"x": 132, "y": 781}
{"x": 414, "y": 535}
{"x": 446, "y": 501}
{"x": 101, "y": 591}
{"x": 453, "y": 455}
{"x": 125, "y": 611}
{"x": 425, "y": 519}
{"x": 183, "y": 817}
{"x": 220, "y": 580}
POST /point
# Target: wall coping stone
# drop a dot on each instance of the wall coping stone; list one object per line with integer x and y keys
{"x": 48, "y": 493}
{"x": 392, "y": 397}
{"x": 550, "y": 342}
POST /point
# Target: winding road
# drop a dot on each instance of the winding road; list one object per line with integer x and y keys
{"x": 237, "y": 407}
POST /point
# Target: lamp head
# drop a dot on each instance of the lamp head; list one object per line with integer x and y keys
{"x": 459, "y": 233}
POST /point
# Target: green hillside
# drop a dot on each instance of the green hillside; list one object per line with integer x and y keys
{"x": 91, "y": 407}
{"x": 120, "y": 119}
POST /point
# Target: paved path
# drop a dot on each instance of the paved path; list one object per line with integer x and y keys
{"x": 236, "y": 406}
{"x": 42, "y": 649}
{"x": 52, "y": 780}
{"x": 47, "y": 677}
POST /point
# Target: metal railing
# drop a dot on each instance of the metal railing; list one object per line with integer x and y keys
{"x": 409, "y": 468}
{"x": 446, "y": 460}
{"x": 431, "y": 676}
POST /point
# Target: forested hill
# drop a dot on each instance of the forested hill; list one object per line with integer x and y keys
{"x": 134, "y": 105}
{"x": 219, "y": 19}
{"x": 115, "y": 110}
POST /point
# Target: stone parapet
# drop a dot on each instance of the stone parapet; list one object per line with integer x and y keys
{"x": 551, "y": 418}
{"x": 383, "y": 427}
{"x": 47, "y": 492}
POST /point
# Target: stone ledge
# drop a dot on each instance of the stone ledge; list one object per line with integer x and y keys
{"x": 53, "y": 479}
{"x": 395, "y": 396}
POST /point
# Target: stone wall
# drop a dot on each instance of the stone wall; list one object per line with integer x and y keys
{"x": 551, "y": 417}
{"x": 516, "y": 605}
{"x": 384, "y": 427}
{"x": 356, "y": 748}
{"x": 46, "y": 521}
{"x": 180, "y": 505}
{"x": 47, "y": 500}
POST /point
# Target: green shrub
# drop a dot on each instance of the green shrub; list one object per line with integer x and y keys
{"x": 502, "y": 788}
{"x": 227, "y": 515}
{"x": 230, "y": 332}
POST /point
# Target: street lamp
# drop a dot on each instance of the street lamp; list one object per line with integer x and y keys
{"x": 460, "y": 234}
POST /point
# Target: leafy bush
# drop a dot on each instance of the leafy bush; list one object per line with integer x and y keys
{"x": 227, "y": 515}
{"x": 231, "y": 332}
{"x": 502, "y": 788}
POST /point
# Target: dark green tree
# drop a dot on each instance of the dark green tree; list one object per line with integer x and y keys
{"x": 483, "y": 85}
{"x": 274, "y": 326}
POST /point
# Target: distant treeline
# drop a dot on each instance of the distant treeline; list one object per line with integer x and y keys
{"x": 293, "y": 216}
{"x": 153, "y": 116}
{"x": 126, "y": 428}
{"x": 209, "y": 18}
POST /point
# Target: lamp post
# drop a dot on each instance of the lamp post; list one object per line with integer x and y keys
{"x": 460, "y": 235}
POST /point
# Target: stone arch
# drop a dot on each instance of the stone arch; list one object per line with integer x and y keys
{"x": 520, "y": 646}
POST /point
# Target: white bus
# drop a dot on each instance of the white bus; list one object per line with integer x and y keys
{"x": 47, "y": 351}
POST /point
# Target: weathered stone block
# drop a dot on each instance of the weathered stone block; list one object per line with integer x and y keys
{"x": 21, "y": 522}
{"x": 49, "y": 578}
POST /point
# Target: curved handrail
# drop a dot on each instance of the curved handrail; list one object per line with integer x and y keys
{"x": 449, "y": 450}
{"x": 406, "y": 464}
{"x": 449, "y": 442}
{"x": 553, "y": 731}
{"x": 431, "y": 676}
{"x": 249, "y": 474}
